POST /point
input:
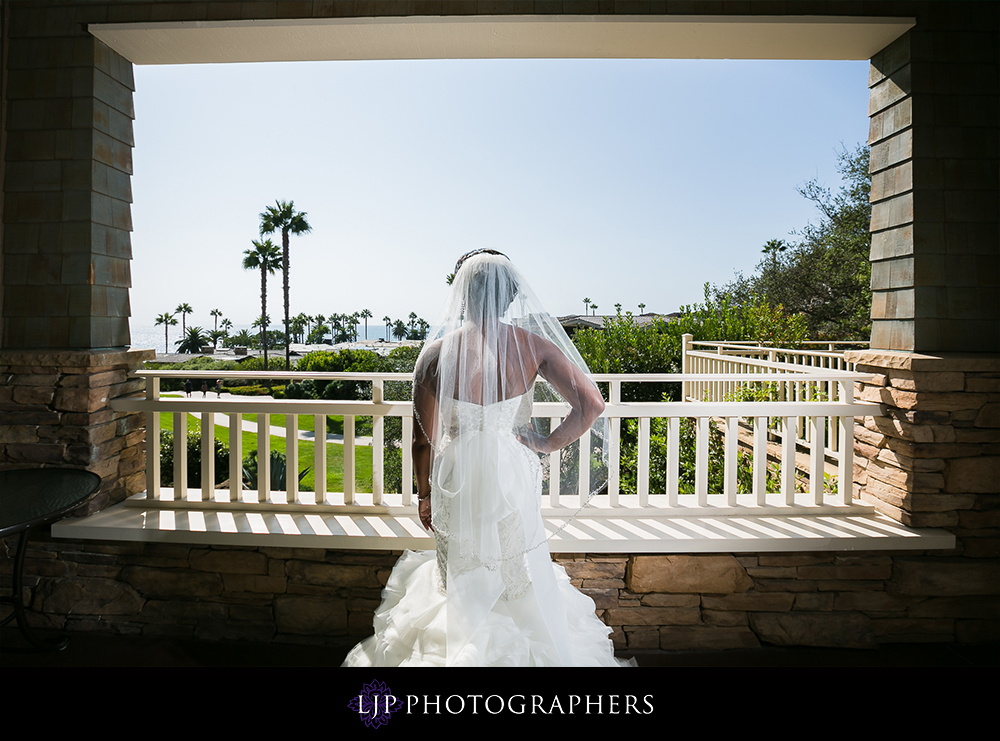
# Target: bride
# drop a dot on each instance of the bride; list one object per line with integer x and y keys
{"x": 490, "y": 595}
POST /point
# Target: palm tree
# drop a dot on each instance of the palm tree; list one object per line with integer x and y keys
{"x": 422, "y": 328}
{"x": 299, "y": 324}
{"x": 192, "y": 341}
{"x": 593, "y": 308}
{"x": 241, "y": 339}
{"x": 284, "y": 218}
{"x": 586, "y": 304}
{"x": 264, "y": 257}
{"x": 216, "y": 313}
{"x": 399, "y": 329}
{"x": 184, "y": 310}
{"x": 168, "y": 321}
{"x": 642, "y": 308}
{"x": 366, "y": 315}
{"x": 388, "y": 326}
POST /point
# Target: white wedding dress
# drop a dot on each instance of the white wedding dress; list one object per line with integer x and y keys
{"x": 490, "y": 594}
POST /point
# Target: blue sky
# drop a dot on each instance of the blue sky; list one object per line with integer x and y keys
{"x": 620, "y": 180}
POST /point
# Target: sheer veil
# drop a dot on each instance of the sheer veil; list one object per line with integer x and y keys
{"x": 494, "y": 360}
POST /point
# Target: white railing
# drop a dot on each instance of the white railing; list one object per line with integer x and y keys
{"x": 798, "y": 382}
{"x": 784, "y": 491}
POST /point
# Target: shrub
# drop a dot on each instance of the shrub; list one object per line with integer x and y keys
{"x": 193, "y": 459}
{"x": 279, "y": 471}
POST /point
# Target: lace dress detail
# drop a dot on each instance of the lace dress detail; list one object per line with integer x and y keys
{"x": 508, "y": 416}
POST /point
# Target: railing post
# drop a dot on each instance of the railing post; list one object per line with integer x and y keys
{"x": 614, "y": 464}
{"x": 319, "y": 458}
{"x": 235, "y": 457}
{"x": 642, "y": 475}
{"x": 263, "y": 458}
{"x": 407, "y": 484}
{"x": 152, "y": 442}
{"x": 686, "y": 341}
{"x": 378, "y": 443}
{"x": 845, "y": 466}
{"x": 291, "y": 457}
{"x": 207, "y": 431}
{"x": 732, "y": 460}
{"x": 180, "y": 456}
{"x": 673, "y": 460}
{"x": 348, "y": 459}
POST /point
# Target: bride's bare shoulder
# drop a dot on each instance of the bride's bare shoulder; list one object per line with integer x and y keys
{"x": 539, "y": 345}
{"x": 428, "y": 360}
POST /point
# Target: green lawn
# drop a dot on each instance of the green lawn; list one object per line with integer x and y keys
{"x": 334, "y": 452}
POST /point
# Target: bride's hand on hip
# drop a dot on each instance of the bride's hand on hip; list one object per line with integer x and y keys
{"x": 424, "y": 510}
{"x": 533, "y": 441}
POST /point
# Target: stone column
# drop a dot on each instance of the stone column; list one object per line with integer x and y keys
{"x": 55, "y": 410}
{"x": 66, "y": 249}
{"x": 933, "y": 460}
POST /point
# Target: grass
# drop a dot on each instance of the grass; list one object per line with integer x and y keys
{"x": 334, "y": 451}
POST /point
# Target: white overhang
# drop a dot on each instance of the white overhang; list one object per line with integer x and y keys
{"x": 503, "y": 37}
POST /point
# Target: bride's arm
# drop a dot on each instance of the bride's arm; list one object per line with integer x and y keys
{"x": 425, "y": 416}
{"x": 575, "y": 387}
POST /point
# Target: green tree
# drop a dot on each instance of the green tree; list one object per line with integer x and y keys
{"x": 399, "y": 330}
{"x": 242, "y": 339}
{"x": 263, "y": 257}
{"x": 216, "y": 314}
{"x": 168, "y": 321}
{"x": 184, "y": 310}
{"x": 194, "y": 339}
{"x": 366, "y": 314}
{"x": 825, "y": 275}
{"x": 282, "y": 217}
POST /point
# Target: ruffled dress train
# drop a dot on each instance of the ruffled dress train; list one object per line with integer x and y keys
{"x": 490, "y": 594}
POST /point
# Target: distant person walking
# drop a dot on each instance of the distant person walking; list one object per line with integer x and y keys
{"x": 218, "y": 388}
{"x": 204, "y": 389}
{"x": 187, "y": 387}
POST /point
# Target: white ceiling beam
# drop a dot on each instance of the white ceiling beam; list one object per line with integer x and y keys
{"x": 503, "y": 37}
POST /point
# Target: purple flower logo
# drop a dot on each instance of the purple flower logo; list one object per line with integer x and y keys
{"x": 375, "y": 704}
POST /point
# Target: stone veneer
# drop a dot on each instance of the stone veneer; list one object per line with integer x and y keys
{"x": 55, "y": 411}
{"x": 652, "y": 602}
{"x": 933, "y": 459}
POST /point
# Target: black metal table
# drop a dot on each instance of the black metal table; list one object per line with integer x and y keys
{"x": 29, "y": 498}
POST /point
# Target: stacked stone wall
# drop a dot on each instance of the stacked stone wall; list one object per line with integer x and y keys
{"x": 652, "y": 602}
{"x": 55, "y": 412}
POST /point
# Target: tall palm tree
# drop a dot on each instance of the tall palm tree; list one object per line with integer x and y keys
{"x": 388, "y": 326}
{"x": 216, "y": 313}
{"x": 366, "y": 314}
{"x": 282, "y": 217}
{"x": 184, "y": 310}
{"x": 264, "y": 257}
{"x": 642, "y": 308}
{"x": 586, "y": 305}
{"x": 168, "y": 321}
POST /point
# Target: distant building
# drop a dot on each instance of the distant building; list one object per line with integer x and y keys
{"x": 573, "y": 322}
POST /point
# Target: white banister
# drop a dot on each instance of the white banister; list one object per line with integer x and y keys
{"x": 692, "y": 486}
